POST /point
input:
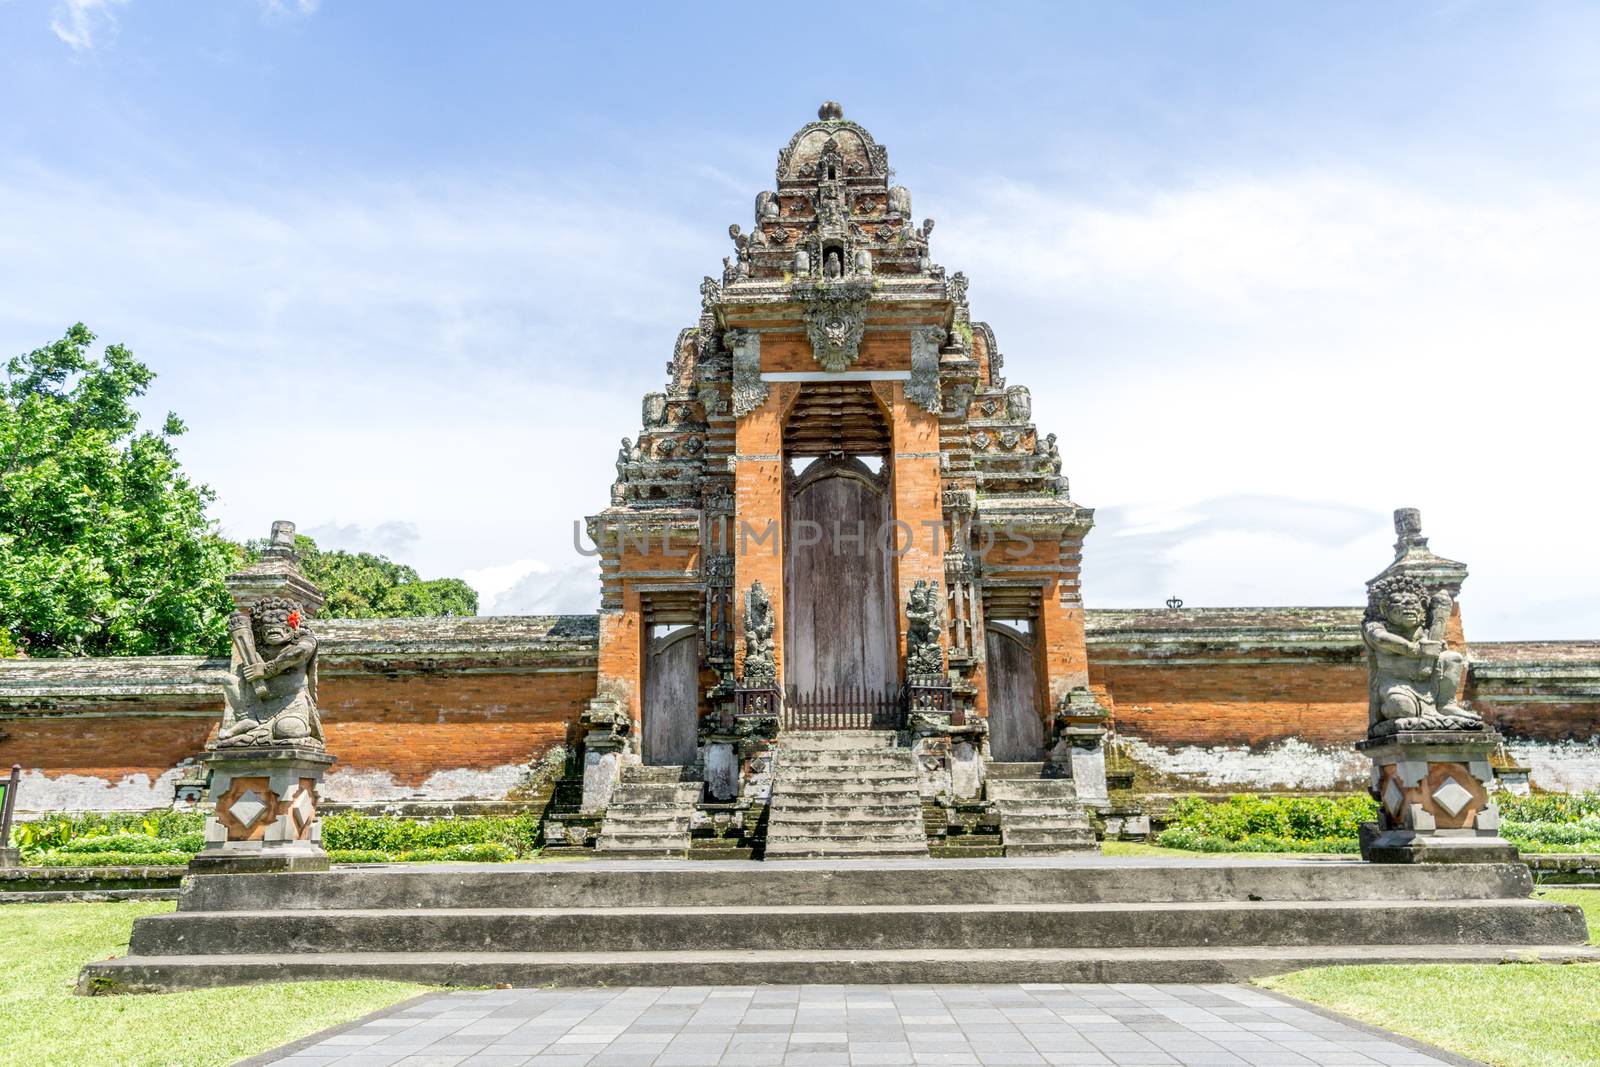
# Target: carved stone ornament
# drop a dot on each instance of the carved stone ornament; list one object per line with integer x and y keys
{"x": 924, "y": 616}
{"x": 655, "y": 409}
{"x": 924, "y": 385}
{"x": 836, "y": 319}
{"x": 271, "y": 690}
{"x": 760, "y": 660}
{"x": 749, "y": 391}
{"x": 1412, "y": 679}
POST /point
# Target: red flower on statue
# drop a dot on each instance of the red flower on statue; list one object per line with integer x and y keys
{"x": 294, "y": 619}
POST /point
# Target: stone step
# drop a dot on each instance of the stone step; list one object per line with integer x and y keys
{"x": 163, "y": 974}
{"x": 1049, "y": 820}
{"x": 993, "y": 770}
{"x": 841, "y": 807}
{"x": 846, "y": 740}
{"x": 840, "y": 927}
{"x": 865, "y": 820}
{"x": 1054, "y": 788}
{"x": 1104, "y": 879}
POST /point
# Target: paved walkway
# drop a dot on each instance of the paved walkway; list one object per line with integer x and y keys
{"x": 990, "y": 1026}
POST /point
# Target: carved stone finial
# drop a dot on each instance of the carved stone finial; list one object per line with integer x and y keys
{"x": 282, "y": 540}
{"x": 830, "y": 111}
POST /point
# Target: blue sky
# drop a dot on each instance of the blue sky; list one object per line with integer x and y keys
{"x": 1270, "y": 270}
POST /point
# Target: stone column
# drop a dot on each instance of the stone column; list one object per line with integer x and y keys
{"x": 268, "y": 758}
{"x": 1080, "y": 731}
{"x": 1435, "y": 799}
{"x": 607, "y": 723}
{"x": 9, "y": 857}
{"x": 1430, "y": 751}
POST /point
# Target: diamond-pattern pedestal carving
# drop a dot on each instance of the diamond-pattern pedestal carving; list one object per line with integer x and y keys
{"x": 265, "y": 811}
{"x": 1435, "y": 805}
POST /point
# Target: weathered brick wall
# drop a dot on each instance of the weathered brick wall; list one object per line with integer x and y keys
{"x": 1214, "y": 699}
{"x": 418, "y": 707}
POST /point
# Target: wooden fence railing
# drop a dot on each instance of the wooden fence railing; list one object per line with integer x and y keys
{"x": 844, "y": 707}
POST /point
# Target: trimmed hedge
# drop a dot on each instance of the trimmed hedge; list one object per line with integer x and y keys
{"x": 114, "y": 859}
{"x": 1547, "y": 822}
{"x": 1250, "y": 823}
{"x": 377, "y": 833}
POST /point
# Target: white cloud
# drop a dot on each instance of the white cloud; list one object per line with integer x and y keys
{"x": 80, "y": 22}
{"x": 534, "y": 587}
{"x": 1248, "y": 373}
{"x": 279, "y": 9}
{"x": 1342, "y": 338}
{"x": 391, "y": 538}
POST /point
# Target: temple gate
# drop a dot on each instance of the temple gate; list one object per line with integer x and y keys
{"x": 836, "y": 444}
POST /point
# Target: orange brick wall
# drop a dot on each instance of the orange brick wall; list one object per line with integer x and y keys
{"x": 110, "y": 746}
{"x": 1247, "y": 703}
{"x": 414, "y": 725}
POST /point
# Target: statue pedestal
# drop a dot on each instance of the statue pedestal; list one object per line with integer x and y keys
{"x": 266, "y": 811}
{"x": 1435, "y": 803}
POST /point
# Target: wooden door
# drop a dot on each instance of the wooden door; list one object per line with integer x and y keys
{"x": 840, "y": 620}
{"x": 671, "y": 697}
{"x": 1016, "y": 732}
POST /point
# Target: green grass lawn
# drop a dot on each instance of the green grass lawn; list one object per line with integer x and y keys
{"x": 1511, "y": 1015}
{"x": 43, "y": 1022}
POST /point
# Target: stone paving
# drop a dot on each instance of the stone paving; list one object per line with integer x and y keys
{"x": 755, "y": 1026}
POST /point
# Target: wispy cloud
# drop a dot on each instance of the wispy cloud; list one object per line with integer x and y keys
{"x": 281, "y": 9}
{"x": 84, "y": 23}
{"x": 392, "y": 538}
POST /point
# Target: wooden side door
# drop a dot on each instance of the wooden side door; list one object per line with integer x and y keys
{"x": 1016, "y": 731}
{"x": 671, "y": 696}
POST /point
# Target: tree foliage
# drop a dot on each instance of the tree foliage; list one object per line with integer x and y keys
{"x": 105, "y": 547}
{"x": 360, "y": 585}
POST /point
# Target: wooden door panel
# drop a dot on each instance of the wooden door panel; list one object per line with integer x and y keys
{"x": 671, "y": 698}
{"x": 1016, "y": 732}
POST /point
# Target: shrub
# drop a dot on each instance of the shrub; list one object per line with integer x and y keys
{"x": 1250, "y": 823}
{"x": 114, "y": 859}
{"x": 518, "y": 833}
{"x": 1550, "y": 807}
{"x": 188, "y": 844}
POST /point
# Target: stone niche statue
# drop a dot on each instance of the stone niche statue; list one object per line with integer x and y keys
{"x": 271, "y": 691}
{"x": 760, "y": 660}
{"x": 1412, "y": 678}
{"x": 924, "y": 615}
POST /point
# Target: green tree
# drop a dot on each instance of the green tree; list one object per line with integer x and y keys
{"x": 360, "y": 585}
{"x": 105, "y": 547}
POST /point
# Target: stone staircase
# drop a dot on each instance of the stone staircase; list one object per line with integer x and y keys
{"x": 1082, "y": 918}
{"x": 649, "y": 814}
{"x": 844, "y": 793}
{"x": 1038, "y": 815}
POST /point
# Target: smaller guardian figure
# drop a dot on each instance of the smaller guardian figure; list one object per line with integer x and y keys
{"x": 760, "y": 661}
{"x": 925, "y": 616}
{"x": 271, "y": 692}
{"x": 1412, "y": 678}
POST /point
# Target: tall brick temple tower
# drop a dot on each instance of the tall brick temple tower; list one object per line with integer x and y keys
{"x": 835, "y": 429}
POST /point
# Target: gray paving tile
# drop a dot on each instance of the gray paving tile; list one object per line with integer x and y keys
{"x": 1057, "y": 1025}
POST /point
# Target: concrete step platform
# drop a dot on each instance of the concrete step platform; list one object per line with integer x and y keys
{"x": 845, "y": 927}
{"x": 631, "y": 921}
{"x": 160, "y": 974}
{"x": 1089, "y": 879}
